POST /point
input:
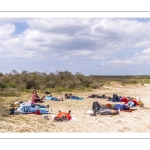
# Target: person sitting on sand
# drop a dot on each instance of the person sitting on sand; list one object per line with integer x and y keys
{"x": 36, "y": 98}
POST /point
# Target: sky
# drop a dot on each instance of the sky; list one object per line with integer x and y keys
{"x": 91, "y": 46}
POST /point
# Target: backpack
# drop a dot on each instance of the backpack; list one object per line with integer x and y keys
{"x": 115, "y": 98}
{"x": 63, "y": 116}
{"x": 103, "y": 96}
{"x": 140, "y": 103}
{"x": 96, "y": 106}
{"x": 109, "y": 106}
{"x": 46, "y": 92}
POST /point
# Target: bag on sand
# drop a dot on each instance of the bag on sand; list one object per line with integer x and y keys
{"x": 140, "y": 103}
{"x": 115, "y": 98}
{"x": 63, "y": 116}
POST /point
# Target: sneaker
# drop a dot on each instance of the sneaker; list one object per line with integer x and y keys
{"x": 117, "y": 112}
{"x": 94, "y": 114}
{"x": 47, "y": 118}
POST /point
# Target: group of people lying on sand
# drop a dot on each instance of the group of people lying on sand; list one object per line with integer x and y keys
{"x": 36, "y": 98}
{"x": 130, "y": 101}
{"x": 109, "y": 109}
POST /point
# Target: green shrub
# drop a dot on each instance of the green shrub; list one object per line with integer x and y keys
{"x": 9, "y": 85}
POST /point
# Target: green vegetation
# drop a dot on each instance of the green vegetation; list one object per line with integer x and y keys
{"x": 13, "y": 83}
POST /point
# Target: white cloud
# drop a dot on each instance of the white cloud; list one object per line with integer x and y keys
{"x": 146, "y": 51}
{"x": 138, "y": 59}
{"x": 6, "y": 30}
{"x": 105, "y": 41}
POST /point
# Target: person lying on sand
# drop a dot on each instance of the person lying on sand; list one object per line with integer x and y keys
{"x": 70, "y": 96}
{"x": 50, "y": 97}
{"x": 97, "y": 96}
{"x": 132, "y": 102}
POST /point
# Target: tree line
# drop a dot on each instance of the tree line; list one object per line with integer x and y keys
{"x": 14, "y": 82}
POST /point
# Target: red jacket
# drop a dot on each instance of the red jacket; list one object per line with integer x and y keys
{"x": 135, "y": 102}
{"x": 124, "y": 99}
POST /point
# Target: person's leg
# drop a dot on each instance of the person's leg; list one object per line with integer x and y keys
{"x": 36, "y": 101}
{"x": 41, "y": 106}
{"x": 80, "y": 98}
{"x": 131, "y": 104}
{"x": 43, "y": 97}
{"x": 73, "y": 97}
{"x": 54, "y": 98}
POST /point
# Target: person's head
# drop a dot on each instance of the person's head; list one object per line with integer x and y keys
{"x": 70, "y": 94}
{"x": 131, "y": 99}
{"x": 34, "y": 92}
{"x": 46, "y": 92}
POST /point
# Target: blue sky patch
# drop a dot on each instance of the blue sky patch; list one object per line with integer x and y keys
{"x": 20, "y": 27}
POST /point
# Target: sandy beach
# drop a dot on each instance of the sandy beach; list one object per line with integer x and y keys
{"x": 134, "y": 122}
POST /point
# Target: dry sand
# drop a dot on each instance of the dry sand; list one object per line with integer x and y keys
{"x": 137, "y": 121}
